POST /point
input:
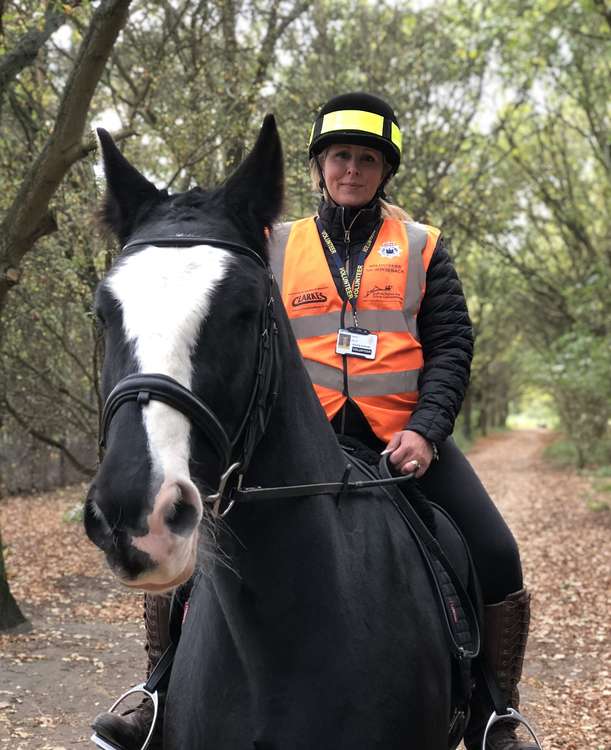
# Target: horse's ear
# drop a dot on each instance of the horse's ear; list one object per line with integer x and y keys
{"x": 256, "y": 189}
{"x": 126, "y": 189}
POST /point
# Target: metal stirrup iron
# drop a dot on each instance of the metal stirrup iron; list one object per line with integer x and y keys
{"x": 511, "y": 714}
{"x": 153, "y": 696}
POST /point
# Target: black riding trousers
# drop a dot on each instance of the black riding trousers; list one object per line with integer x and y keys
{"x": 452, "y": 483}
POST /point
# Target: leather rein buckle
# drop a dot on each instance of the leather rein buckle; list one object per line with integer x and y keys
{"x": 217, "y": 498}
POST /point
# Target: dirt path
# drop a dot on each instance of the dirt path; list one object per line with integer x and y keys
{"x": 85, "y": 645}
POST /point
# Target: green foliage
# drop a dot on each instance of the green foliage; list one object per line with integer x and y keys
{"x": 463, "y": 441}
{"x": 503, "y": 107}
{"x": 74, "y": 514}
{"x": 534, "y": 408}
{"x": 597, "y": 506}
{"x": 575, "y": 372}
{"x": 564, "y": 453}
{"x": 561, "y": 453}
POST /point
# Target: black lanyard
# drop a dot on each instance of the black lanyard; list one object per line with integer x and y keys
{"x": 351, "y": 291}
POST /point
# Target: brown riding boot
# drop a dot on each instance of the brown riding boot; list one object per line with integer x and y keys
{"x": 504, "y": 643}
{"x": 129, "y": 730}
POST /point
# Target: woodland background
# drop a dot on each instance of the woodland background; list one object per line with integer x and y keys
{"x": 504, "y": 109}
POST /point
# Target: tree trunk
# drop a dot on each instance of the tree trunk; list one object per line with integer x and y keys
{"x": 28, "y": 217}
{"x": 10, "y": 614}
{"x": 483, "y": 419}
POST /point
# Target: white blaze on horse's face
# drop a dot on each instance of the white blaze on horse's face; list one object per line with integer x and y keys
{"x": 165, "y": 295}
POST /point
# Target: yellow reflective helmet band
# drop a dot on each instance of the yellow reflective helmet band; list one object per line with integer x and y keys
{"x": 395, "y": 136}
{"x": 355, "y": 119}
{"x": 312, "y": 134}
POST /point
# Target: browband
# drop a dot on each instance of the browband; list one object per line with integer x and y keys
{"x": 187, "y": 240}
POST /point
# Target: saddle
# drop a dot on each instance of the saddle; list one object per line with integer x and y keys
{"x": 448, "y": 561}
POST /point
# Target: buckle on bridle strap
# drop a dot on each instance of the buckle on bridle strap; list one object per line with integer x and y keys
{"x": 217, "y": 498}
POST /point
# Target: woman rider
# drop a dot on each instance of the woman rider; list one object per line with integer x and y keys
{"x": 382, "y": 324}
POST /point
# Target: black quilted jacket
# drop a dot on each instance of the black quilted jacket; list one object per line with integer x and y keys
{"x": 444, "y": 326}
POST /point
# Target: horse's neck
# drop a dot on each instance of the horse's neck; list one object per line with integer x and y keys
{"x": 281, "y": 539}
{"x": 299, "y": 444}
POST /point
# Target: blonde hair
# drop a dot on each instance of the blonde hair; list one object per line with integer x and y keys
{"x": 388, "y": 210}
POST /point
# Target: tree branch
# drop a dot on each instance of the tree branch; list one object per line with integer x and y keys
{"x": 88, "y": 471}
{"x": 52, "y": 386}
{"x": 21, "y": 225}
{"x": 26, "y": 50}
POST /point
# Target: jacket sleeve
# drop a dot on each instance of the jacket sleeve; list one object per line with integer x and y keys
{"x": 446, "y": 336}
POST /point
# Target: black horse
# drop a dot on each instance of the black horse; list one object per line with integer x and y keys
{"x": 312, "y": 622}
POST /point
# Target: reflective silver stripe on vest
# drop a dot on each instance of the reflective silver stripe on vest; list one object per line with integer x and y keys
{"x": 404, "y": 381}
{"x": 416, "y": 274}
{"x": 276, "y": 246}
{"x": 373, "y": 320}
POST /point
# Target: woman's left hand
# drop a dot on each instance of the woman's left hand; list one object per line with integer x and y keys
{"x": 410, "y": 452}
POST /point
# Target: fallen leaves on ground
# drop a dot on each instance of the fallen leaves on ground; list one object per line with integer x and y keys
{"x": 566, "y": 555}
{"x": 52, "y": 564}
{"x": 55, "y": 677}
{"x": 86, "y": 644}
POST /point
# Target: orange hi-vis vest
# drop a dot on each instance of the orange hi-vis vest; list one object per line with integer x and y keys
{"x": 392, "y": 286}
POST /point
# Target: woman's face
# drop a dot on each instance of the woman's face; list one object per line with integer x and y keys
{"x": 352, "y": 173}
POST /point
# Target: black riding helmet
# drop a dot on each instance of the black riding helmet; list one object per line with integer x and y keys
{"x": 358, "y": 118}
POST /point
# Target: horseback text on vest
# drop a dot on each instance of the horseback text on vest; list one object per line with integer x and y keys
{"x": 392, "y": 285}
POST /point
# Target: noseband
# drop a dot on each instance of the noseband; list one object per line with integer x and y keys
{"x": 146, "y": 387}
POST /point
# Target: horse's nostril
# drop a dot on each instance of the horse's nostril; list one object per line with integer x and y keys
{"x": 182, "y": 516}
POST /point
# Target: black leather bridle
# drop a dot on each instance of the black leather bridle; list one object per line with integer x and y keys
{"x": 234, "y": 453}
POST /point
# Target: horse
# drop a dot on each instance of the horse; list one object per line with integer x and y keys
{"x": 311, "y": 622}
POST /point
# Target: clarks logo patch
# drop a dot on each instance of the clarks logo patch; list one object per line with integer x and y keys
{"x": 308, "y": 298}
{"x": 390, "y": 250}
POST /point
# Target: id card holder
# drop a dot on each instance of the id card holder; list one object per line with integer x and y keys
{"x": 356, "y": 342}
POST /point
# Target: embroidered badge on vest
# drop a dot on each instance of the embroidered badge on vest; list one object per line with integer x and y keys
{"x": 389, "y": 250}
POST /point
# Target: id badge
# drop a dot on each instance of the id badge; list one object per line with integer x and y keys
{"x": 356, "y": 342}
